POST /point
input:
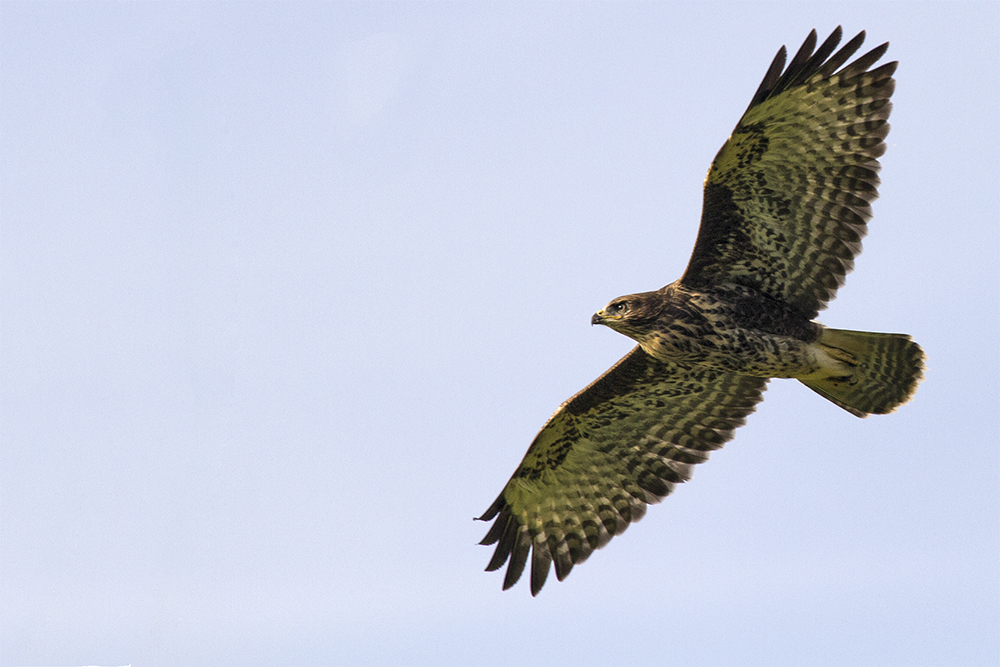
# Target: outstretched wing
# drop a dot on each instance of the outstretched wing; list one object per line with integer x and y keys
{"x": 618, "y": 445}
{"x": 788, "y": 197}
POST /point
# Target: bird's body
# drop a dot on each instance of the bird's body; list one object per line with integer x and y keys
{"x": 786, "y": 203}
{"x": 733, "y": 329}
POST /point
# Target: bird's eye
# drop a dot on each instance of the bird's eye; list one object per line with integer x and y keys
{"x": 619, "y": 307}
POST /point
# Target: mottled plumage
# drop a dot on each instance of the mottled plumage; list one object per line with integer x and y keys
{"x": 786, "y": 203}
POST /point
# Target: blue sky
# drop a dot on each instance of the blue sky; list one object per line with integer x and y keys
{"x": 287, "y": 289}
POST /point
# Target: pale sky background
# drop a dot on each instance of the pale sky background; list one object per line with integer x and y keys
{"x": 287, "y": 289}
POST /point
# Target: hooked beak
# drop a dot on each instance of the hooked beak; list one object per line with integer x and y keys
{"x": 598, "y": 318}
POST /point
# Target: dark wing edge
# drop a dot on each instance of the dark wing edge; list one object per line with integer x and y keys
{"x": 805, "y": 64}
{"x": 573, "y": 493}
{"x": 834, "y": 189}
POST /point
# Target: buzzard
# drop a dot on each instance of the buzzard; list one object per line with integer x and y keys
{"x": 786, "y": 202}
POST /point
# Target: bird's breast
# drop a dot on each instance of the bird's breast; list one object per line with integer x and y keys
{"x": 709, "y": 331}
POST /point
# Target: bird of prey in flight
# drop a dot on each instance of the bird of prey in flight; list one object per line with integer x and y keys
{"x": 786, "y": 203}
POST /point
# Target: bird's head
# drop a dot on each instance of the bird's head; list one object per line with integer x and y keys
{"x": 633, "y": 315}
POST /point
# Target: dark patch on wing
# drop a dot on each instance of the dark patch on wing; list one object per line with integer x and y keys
{"x": 718, "y": 241}
{"x": 618, "y": 445}
{"x": 788, "y": 196}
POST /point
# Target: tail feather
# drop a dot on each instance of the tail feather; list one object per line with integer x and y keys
{"x": 882, "y": 370}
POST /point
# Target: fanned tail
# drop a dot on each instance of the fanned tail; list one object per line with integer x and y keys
{"x": 883, "y": 370}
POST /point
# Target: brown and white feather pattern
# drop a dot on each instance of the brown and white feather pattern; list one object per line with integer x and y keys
{"x": 786, "y": 203}
{"x": 618, "y": 445}
{"x": 788, "y": 197}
